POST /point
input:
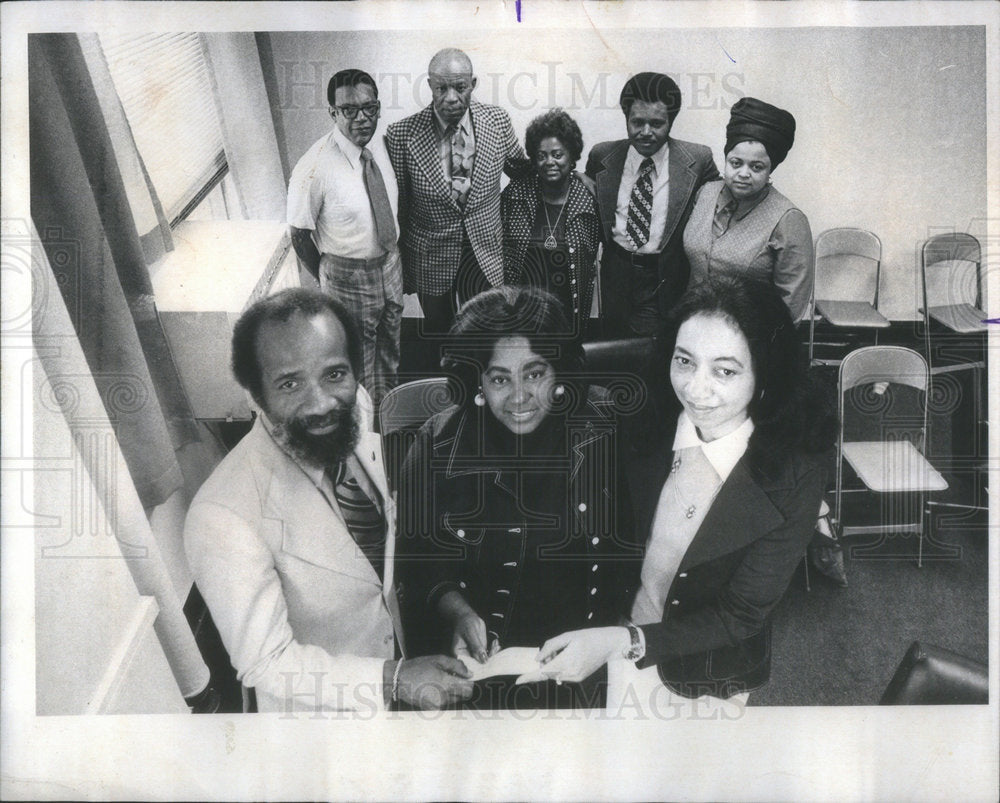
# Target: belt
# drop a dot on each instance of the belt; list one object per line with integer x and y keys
{"x": 354, "y": 262}
{"x": 631, "y": 257}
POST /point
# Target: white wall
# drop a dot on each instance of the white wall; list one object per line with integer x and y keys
{"x": 891, "y": 121}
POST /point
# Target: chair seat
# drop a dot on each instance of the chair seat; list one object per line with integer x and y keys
{"x": 963, "y": 318}
{"x": 892, "y": 466}
{"x": 851, "y": 313}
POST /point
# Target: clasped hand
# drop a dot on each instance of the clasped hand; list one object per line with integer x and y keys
{"x": 577, "y": 654}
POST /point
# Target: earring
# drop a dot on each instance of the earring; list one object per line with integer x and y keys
{"x": 559, "y": 390}
{"x": 479, "y": 399}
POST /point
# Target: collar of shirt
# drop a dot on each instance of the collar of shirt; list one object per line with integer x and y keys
{"x": 723, "y": 453}
{"x": 465, "y": 123}
{"x": 634, "y": 159}
{"x": 745, "y": 205}
{"x": 348, "y": 148}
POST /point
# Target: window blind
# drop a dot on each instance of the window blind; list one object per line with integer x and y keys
{"x": 166, "y": 91}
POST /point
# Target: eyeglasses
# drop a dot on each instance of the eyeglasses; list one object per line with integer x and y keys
{"x": 371, "y": 110}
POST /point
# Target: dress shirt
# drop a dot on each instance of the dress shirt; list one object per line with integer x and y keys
{"x": 700, "y": 469}
{"x": 327, "y": 195}
{"x": 661, "y": 192}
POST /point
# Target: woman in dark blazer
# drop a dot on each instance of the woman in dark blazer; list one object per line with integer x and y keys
{"x": 726, "y": 495}
{"x": 551, "y": 230}
{"x": 513, "y": 523}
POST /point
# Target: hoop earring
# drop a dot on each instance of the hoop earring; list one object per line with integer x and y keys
{"x": 479, "y": 399}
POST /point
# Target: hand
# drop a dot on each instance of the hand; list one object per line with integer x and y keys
{"x": 469, "y": 630}
{"x": 433, "y": 681}
{"x": 576, "y": 655}
{"x": 470, "y": 636}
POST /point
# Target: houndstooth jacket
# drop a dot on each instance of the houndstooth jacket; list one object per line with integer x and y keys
{"x": 430, "y": 222}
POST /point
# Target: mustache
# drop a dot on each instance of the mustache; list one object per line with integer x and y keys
{"x": 327, "y": 449}
{"x": 335, "y": 416}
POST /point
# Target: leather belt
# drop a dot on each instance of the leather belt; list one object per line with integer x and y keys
{"x": 631, "y": 257}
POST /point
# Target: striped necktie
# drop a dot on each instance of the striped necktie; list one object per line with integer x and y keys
{"x": 365, "y": 523}
{"x": 640, "y": 206}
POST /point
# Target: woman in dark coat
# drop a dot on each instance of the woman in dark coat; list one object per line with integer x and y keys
{"x": 551, "y": 231}
{"x": 513, "y": 523}
{"x": 726, "y": 495}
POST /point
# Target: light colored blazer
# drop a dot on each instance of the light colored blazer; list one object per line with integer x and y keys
{"x": 301, "y": 611}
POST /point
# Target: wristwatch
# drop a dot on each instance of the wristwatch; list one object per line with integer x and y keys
{"x": 637, "y": 649}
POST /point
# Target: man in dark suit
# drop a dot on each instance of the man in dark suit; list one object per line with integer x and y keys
{"x": 646, "y": 186}
{"x": 448, "y": 159}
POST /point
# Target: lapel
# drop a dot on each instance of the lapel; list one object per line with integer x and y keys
{"x": 722, "y": 532}
{"x": 369, "y": 454}
{"x": 608, "y": 181}
{"x": 682, "y": 181}
{"x": 482, "y": 131}
{"x": 425, "y": 152}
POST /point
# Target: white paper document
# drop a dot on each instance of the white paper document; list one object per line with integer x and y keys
{"x": 510, "y": 661}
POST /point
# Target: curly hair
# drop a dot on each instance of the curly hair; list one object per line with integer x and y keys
{"x": 513, "y": 311}
{"x": 280, "y": 307}
{"x": 790, "y": 410}
{"x": 555, "y": 123}
{"x": 651, "y": 87}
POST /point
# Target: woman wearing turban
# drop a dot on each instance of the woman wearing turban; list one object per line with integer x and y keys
{"x": 742, "y": 224}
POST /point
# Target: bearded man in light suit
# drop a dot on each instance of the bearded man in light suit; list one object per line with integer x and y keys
{"x": 291, "y": 538}
{"x": 448, "y": 159}
{"x": 646, "y": 187}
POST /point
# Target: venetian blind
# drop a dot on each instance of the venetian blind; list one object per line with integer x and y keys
{"x": 166, "y": 91}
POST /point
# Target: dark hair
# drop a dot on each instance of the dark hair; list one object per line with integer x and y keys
{"x": 651, "y": 87}
{"x": 348, "y": 78}
{"x": 512, "y": 311}
{"x": 555, "y": 123}
{"x": 280, "y": 307}
{"x": 789, "y": 410}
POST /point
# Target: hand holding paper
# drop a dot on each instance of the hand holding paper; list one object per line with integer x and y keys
{"x": 511, "y": 661}
{"x": 576, "y": 655}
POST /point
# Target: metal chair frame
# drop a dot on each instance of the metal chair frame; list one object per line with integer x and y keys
{"x": 891, "y": 364}
{"x": 844, "y": 242}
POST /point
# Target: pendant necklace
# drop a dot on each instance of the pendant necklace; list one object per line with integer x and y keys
{"x": 686, "y": 506}
{"x": 550, "y": 241}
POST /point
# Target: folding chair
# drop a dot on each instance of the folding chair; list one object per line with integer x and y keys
{"x": 846, "y": 286}
{"x": 891, "y": 464}
{"x": 949, "y": 276}
{"x": 954, "y": 332}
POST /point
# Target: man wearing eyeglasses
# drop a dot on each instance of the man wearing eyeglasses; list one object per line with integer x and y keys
{"x": 448, "y": 159}
{"x": 343, "y": 227}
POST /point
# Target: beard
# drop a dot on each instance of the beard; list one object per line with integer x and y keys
{"x": 326, "y": 450}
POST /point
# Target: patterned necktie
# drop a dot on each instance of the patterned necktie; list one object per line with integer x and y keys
{"x": 385, "y": 229}
{"x": 640, "y": 206}
{"x": 723, "y": 216}
{"x": 462, "y": 155}
{"x": 365, "y": 523}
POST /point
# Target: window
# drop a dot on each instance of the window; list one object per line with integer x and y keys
{"x": 165, "y": 87}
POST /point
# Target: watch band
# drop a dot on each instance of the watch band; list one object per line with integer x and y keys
{"x": 635, "y": 650}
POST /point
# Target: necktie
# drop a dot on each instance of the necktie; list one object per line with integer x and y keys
{"x": 363, "y": 519}
{"x": 461, "y": 166}
{"x": 723, "y": 216}
{"x": 385, "y": 229}
{"x": 640, "y": 206}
